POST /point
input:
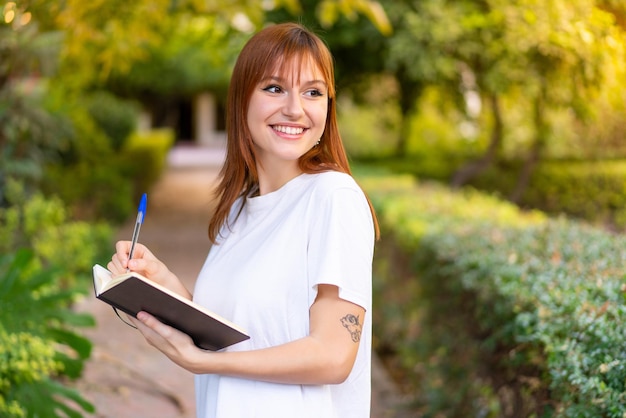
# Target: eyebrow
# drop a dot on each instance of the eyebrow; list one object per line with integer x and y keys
{"x": 283, "y": 80}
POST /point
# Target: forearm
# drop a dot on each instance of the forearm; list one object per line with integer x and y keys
{"x": 325, "y": 356}
{"x": 304, "y": 361}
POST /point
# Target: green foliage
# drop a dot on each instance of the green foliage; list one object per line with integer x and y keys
{"x": 145, "y": 156}
{"x": 197, "y": 55}
{"x": 39, "y": 344}
{"x": 105, "y": 36}
{"x": 88, "y": 176}
{"x": 355, "y": 40}
{"x": 43, "y": 225}
{"x": 37, "y": 341}
{"x": 501, "y": 312}
{"x": 593, "y": 191}
{"x": 589, "y": 190}
{"x": 370, "y": 129}
{"x": 48, "y": 141}
{"x": 603, "y": 136}
{"x": 117, "y": 118}
{"x": 29, "y": 137}
{"x": 24, "y": 360}
{"x": 329, "y": 11}
{"x": 51, "y": 143}
{"x": 554, "y": 55}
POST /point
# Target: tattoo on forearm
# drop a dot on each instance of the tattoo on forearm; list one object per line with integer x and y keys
{"x": 353, "y": 326}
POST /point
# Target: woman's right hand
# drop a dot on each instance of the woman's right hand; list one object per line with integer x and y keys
{"x": 146, "y": 264}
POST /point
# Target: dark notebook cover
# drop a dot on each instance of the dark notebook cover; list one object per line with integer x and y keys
{"x": 132, "y": 293}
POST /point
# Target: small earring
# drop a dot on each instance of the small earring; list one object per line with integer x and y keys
{"x": 318, "y": 142}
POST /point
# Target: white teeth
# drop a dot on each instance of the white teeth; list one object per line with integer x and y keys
{"x": 289, "y": 130}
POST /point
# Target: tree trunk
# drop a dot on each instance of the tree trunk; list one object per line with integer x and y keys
{"x": 410, "y": 91}
{"x": 474, "y": 168}
{"x": 534, "y": 155}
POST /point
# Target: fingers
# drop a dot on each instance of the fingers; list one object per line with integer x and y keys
{"x": 154, "y": 324}
{"x": 176, "y": 345}
{"x": 146, "y": 264}
{"x": 150, "y": 327}
{"x": 120, "y": 262}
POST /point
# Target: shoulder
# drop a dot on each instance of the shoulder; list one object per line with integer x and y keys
{"x": 336, "y": 190}
{"x": 329, "y": 181}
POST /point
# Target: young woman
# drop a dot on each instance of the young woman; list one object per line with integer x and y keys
{"x": 293, "y": 242}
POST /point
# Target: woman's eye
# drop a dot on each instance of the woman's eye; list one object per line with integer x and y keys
{"x": 273, "y": 89}
{"x": 315, "y": 93}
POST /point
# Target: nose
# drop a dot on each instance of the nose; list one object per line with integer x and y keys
{"x": 293, "y": 106}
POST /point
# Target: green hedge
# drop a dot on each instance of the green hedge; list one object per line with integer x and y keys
{"x": 490, "y": 311}
{"x": 591, "y": 190}
{"x": 594, "y": 191}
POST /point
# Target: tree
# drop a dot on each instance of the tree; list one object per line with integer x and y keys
{"x": 566, "y": 50}
{"x": 551, "y": 54}
{"x": 29, "y": 135}
{"x": 153, "y": 49}
{"x": 102, "y": 36}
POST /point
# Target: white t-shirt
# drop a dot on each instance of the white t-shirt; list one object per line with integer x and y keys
{"x": 263, "y": 275}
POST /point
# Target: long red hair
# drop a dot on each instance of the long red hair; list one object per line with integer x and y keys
{"x": 273, "y": 48}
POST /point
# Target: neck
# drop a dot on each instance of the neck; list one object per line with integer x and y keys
{"x": 272, "y": 180}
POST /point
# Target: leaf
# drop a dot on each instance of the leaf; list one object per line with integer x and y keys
{"x": 72, "y": 367}
{"x": 76, "y": 319}
{"x": 18, "y": 263}
{"x": 80, "y": 344}
{"x": 42, "y": 399}
{"x": 41, "y": 278}
{"x": 73, "y": 395}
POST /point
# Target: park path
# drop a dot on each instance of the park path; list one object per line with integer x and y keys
{"x": 127, "y": 378}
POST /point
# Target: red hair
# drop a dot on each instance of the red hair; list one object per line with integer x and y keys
{"x": 278, "y": 47}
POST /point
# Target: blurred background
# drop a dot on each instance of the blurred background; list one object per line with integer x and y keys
{"x": 499, "y": 95}
{"x": 490, "y": 134}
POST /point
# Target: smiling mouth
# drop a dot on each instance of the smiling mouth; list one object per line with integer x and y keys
{"x": 289, "y": 130}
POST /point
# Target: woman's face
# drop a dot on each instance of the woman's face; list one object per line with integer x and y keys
{"x": 287, "y": 115}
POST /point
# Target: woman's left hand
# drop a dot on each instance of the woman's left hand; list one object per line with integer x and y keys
{"x": 176, "y": 345}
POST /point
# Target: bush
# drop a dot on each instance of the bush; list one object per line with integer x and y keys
{"x": 43, "y": 225}
{"x": 145, "y": 157}
{"x": 116, "y": 117}
{"x": 37, "y": 342}
{"x": 367, "y": 130}
{"x": 594, "y": 191}
{"x": 590, "y": 190}
{"x": 31, "y": 136}
{"x": 88, "y": 174}
{"x": 492, "y": 311}
{"x": 39, "y": 345}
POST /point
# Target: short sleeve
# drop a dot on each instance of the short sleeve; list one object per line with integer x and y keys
{"x": 341, "y": 244}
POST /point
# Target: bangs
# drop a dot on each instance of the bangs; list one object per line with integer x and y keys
{"x": 290, "y": 68}
{"x": 291, "y": 54}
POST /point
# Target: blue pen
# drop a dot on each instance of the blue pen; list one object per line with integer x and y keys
{"x": 141, "y": 213}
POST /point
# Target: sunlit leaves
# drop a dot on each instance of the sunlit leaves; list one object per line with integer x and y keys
{"x": 114, "y": 32}
{"x": 329, "y": 11}
{"x": 107, "y": 35}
